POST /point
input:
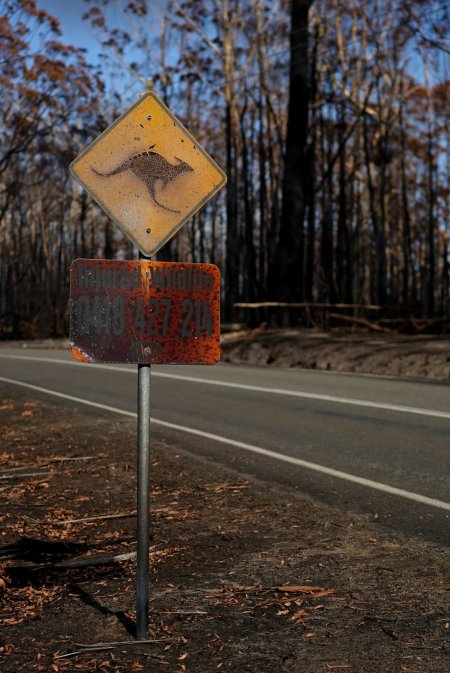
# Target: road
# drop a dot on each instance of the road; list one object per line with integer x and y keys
{"x": 365, "y": 444}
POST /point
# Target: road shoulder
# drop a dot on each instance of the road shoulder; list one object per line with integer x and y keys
{"x": 243, "y": 577}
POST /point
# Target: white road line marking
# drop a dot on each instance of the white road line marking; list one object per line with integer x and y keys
{"x": 316, "y": 396}
{"x": 259, "y": 389}
{"x": 315, "y": 467}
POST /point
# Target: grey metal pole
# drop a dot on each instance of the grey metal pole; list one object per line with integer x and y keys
{"x": 143, "y": 500}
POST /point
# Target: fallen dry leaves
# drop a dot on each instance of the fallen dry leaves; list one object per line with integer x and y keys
{"x": 21, "y": 603}
{"x": 289, "y": 598}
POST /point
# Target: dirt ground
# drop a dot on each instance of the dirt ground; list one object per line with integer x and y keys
{"x": 244, "y": 577}
{"x": 386, "y": 354}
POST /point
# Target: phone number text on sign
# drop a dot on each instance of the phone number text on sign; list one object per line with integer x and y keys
{"x": 144, "y": 312}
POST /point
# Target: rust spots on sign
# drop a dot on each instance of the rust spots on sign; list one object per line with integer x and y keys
{"x": 144, "y": 312}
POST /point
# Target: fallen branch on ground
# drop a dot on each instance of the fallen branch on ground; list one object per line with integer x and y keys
{"x": 302, "y": 304}
{"x": 364, "y": 323}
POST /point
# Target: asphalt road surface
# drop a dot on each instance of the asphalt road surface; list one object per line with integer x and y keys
{"x": 365, "y": 444}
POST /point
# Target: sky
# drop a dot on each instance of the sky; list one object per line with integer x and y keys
{"x": 79, "y": 33}
{"x": 75, "y": 30}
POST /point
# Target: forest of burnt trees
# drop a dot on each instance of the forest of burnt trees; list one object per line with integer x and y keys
{"x": 330, "y": 118}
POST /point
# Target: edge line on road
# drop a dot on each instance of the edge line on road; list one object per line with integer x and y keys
{"x": 258, "y": 389}
{"x": 376, "y": 485}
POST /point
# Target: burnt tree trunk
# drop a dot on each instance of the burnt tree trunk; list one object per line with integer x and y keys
{"x": 286, "y": 281}
{"x": 249, "y": 247}
{"x": 409, "y": 277}
{"x": 311, "y": 174}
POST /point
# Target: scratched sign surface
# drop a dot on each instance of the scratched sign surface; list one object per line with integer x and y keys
{"x": 148, "y": 173}
{"x": 144, "y": 312}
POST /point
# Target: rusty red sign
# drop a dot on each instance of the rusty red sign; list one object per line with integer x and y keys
{"x": 144, "y": 312}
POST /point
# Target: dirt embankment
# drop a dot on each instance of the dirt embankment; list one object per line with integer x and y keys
{"x": 244, "y": 578}
{"x": 395, "y": 355}
{"x": 384, "y": 354}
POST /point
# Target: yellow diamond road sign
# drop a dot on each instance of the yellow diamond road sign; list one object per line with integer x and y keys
{"x": 148, "y": 173}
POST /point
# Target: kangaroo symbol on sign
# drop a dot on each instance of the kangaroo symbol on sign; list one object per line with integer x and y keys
{"x": 150, "y": 167}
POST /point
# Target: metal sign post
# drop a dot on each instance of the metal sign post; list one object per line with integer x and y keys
{"x": 143, "y": 500}
{"x": 150, "y": 175}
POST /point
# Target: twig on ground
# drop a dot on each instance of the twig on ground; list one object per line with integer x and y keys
{"x": 81, "y": 563}
{"x": 186, "y": 612}
{"x": 100, "y": 560}
{"x": 88, "y": 519}
{"x": 64, "y": 459}
{"x": 25, "y": 474}
{"x": 90, "y": 649}
{"x": 226, "y": 486}
{"x": 97, "y": 647}
{"x": 24, "y": 467}
{"x": 47, "y": 462}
